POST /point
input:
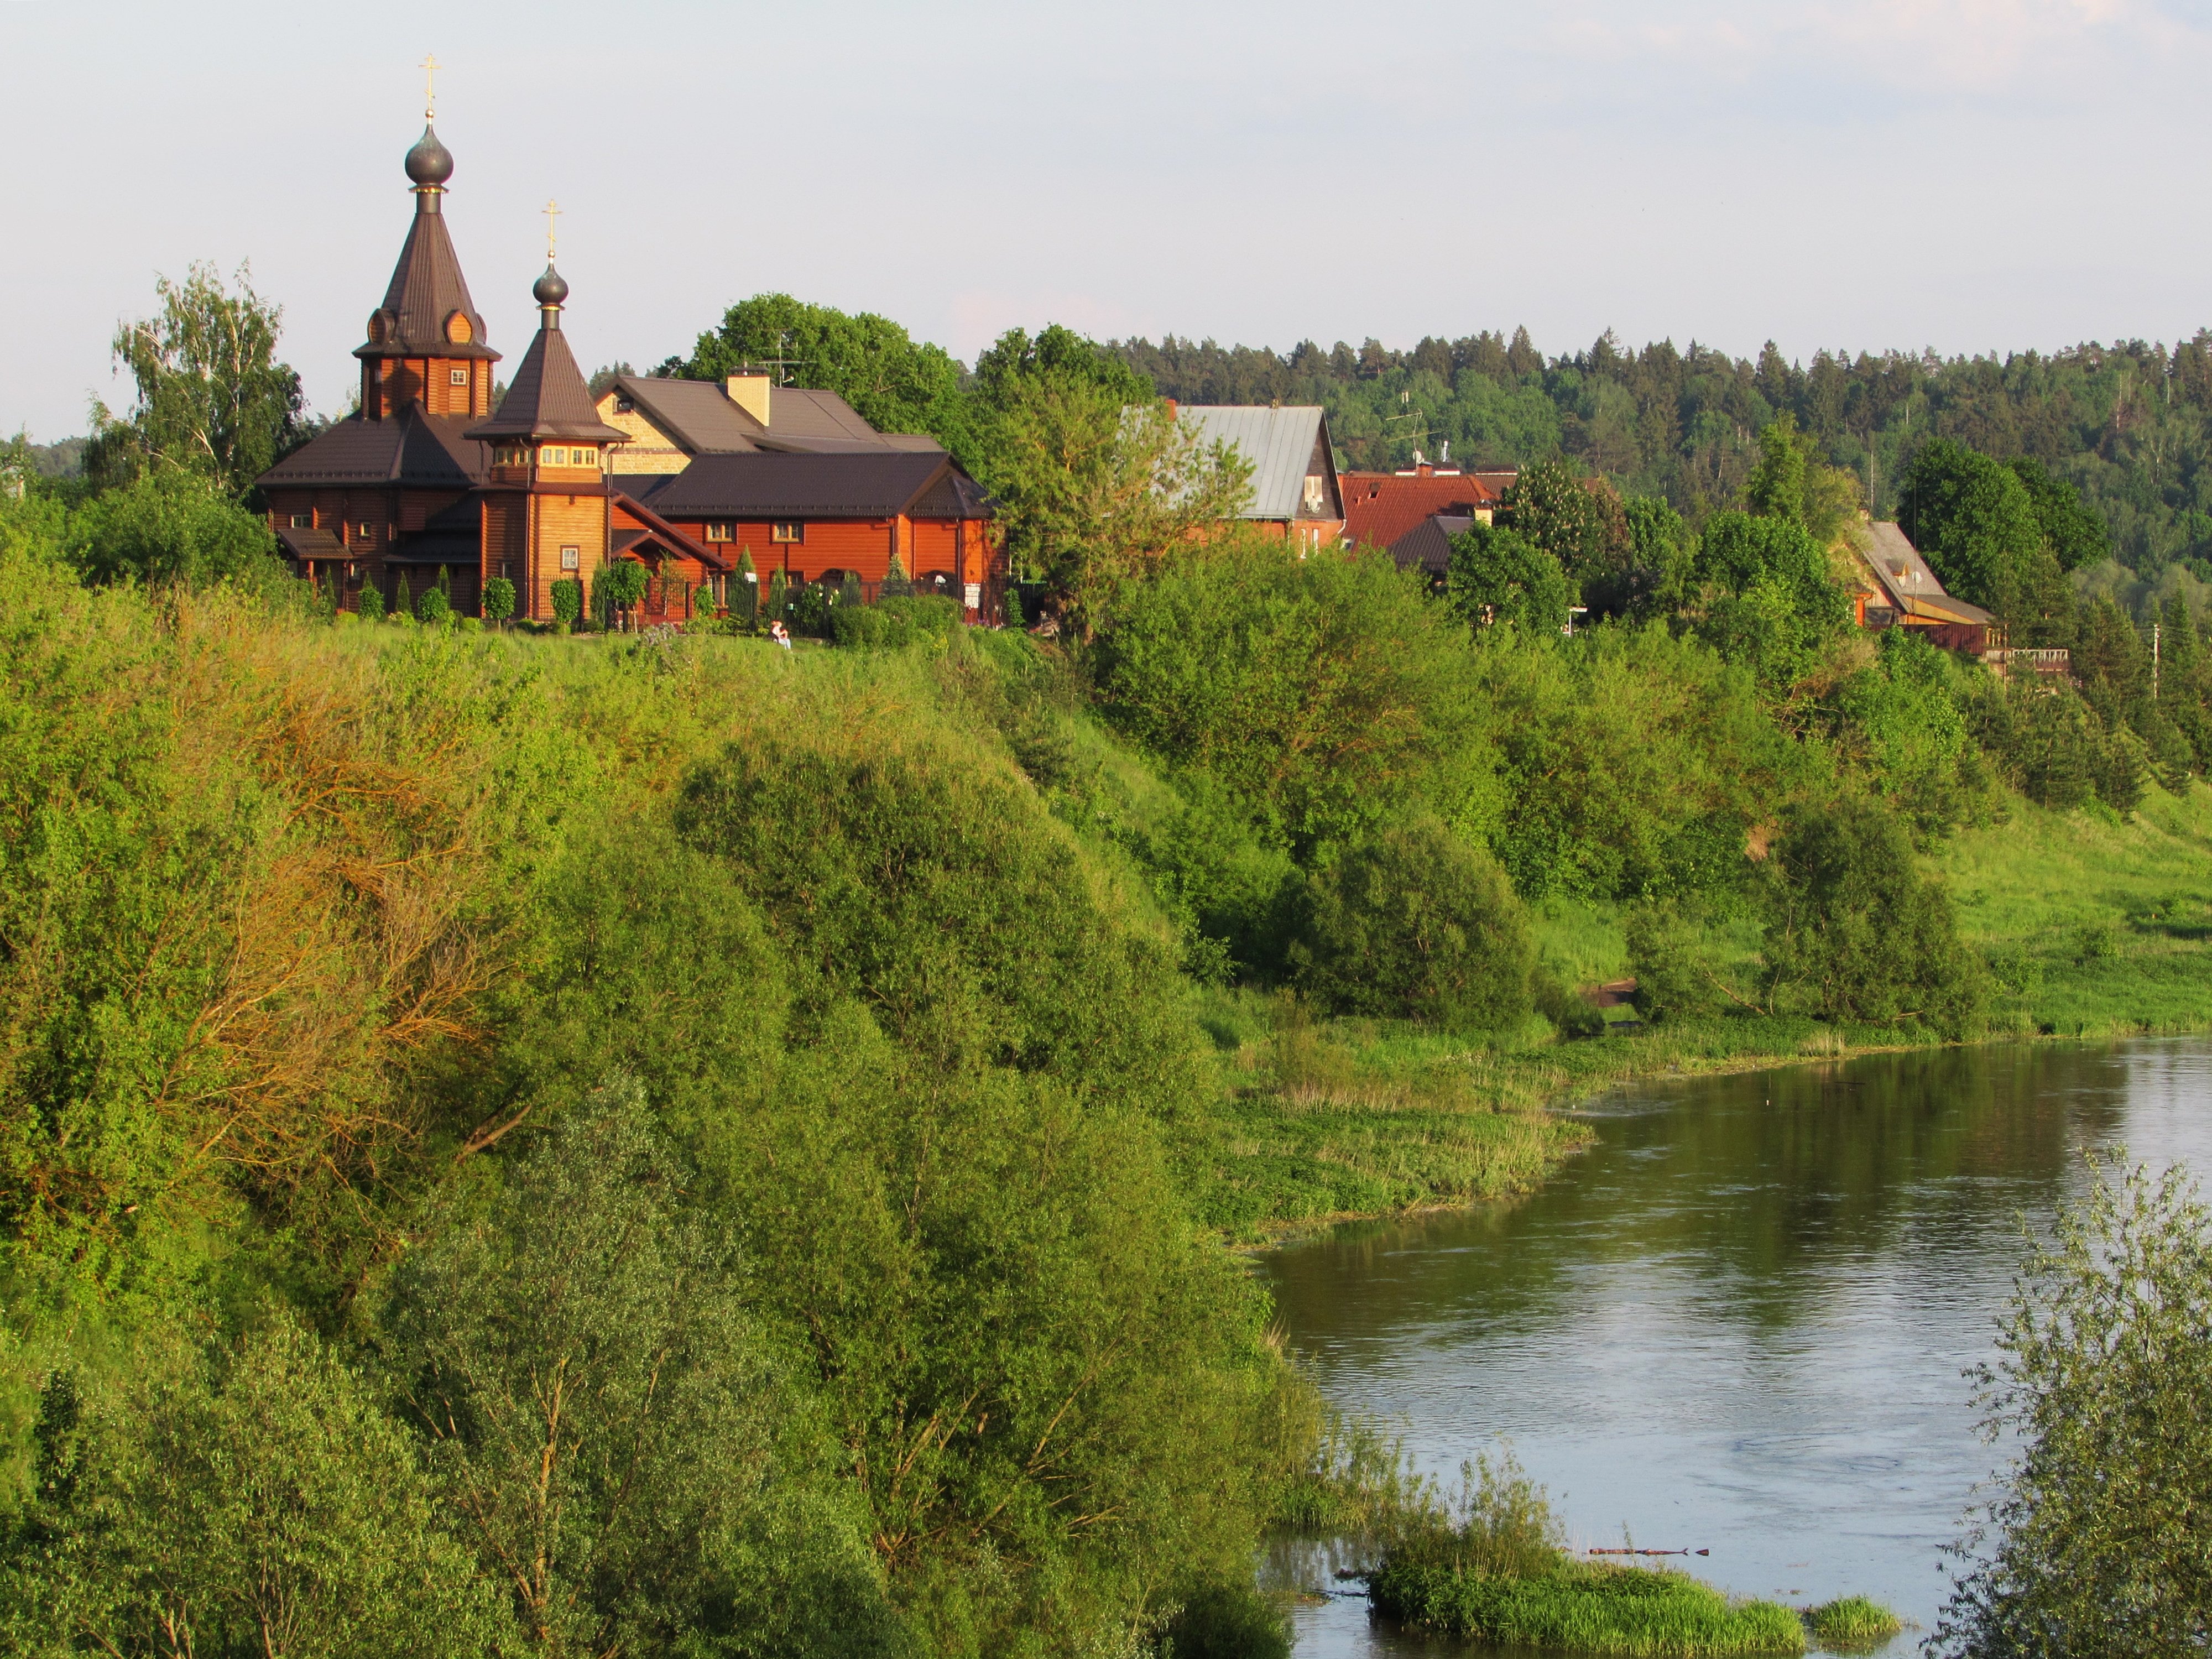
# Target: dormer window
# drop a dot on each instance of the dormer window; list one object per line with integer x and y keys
{"x": 625, "y": 406}
{"x": 459, "y": 329}
{"x": 303, "y": 521}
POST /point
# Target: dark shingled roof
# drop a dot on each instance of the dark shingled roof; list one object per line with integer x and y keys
{"x": 548, "y": 398}
{"x": 868, "y": 484}
{"x": 428, "y": 452}
{"x": 427, "y": 287}
{"x": 1428, "y": 544}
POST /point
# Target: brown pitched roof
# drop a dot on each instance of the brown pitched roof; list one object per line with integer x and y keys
{"x": 868, "y": 484}
{"x": 427, "y": 287}
{"x": 660, "y": 530}
{"x": 305, "y": 544}
{"x": 701, "y": 419}
{"x": 1380, "y": 507}
{"x": 548, "y": 398}
{"x": 430, "y": 452}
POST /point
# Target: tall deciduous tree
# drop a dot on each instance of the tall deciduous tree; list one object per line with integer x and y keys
{"x": 1095, "y": 476}
{"x": 896, "y": 383}
{"x": 211, "y": 396}
{"x": 2094, "y": 1544}
{"x": 1579, "y": 521}
{"x": 1977, "y": 525}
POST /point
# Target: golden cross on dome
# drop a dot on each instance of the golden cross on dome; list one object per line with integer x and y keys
{"x": 552, "y": 211}
{"x": 429, "y": 88}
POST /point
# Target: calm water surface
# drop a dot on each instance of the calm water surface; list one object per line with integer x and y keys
{"x": 1738, "y": 1323}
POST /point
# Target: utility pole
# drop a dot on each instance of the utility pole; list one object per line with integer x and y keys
{"x": 2153, "y": 661}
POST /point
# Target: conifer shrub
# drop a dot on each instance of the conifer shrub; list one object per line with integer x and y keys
{"x": 745, "y": 590}
{"x": 403, "y": 602}
{"x": 371, "y": 602}
{"x": 779, "y": 599}
{"x": 1413, "y": 921}
{"x": 895, "y": 583}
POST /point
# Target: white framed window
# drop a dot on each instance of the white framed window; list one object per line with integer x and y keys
{"x": 571, "y": 558}
{"x": 458, "y": 376}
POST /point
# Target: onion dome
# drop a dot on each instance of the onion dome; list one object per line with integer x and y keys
{"x": 550, "y": 289}
{"x": 429, "y": 162}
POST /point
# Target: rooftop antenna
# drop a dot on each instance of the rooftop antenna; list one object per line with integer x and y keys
{"x": 430, "y": 67}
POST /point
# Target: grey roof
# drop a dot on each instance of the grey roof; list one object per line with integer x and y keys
{"x": 700, "y": 418}
{"x": 427, "y": 287}
{"x": 426, "y": 451}
{"x": 1428, "y": 544}
{"x": 1280, "y": 445}
{"x": 1905, "y": 579}
{"x": 548, "y": 398}
{"x": 871, "y": 484}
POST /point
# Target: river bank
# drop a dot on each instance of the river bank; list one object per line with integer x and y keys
{"x": 2093, "y": 927}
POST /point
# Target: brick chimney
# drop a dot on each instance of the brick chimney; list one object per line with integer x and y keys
{"x": 751, "y": 393}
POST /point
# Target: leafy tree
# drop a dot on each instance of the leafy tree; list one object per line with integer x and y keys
{"x": 1662, "y": 568}
{"x": 1900, "y": 719}
{"x": 624, "y": 580}
{"x": 2078, "y": 538}
{"x": 895, "y": 382}
{"x": 1411, "y": 921}
{"x": 272, "y": 1509}
{"x": 1773, "y": 602}
{"x": 370, "y": 603}
{"x": 2094, "y": 1544}
{"x": 433, "y": 606}
{"x": 568, "y": 598}
{"x": 1320, "y": 691}
{"x": 606, "y": 1422}
{"x": 498, "y": 600}
{"x": 1855, "y": 931}
{"x": 1975, "y": 523}
{"x": 211, "y": 397}
{"x": 172, "y": 527}
{"x": 1500, "y": 577}
{"x": 1579, "y": 521}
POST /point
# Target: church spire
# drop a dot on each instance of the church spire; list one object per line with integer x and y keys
{"x": 549, "y": 398}
{"x": 428, "y": 336}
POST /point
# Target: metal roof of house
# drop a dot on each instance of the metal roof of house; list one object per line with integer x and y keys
{"x": 409, "y": 448}
{"x": 1903, "y": 577}
{"x": 1280, "y": 444}
{"x": 871, "y": 484}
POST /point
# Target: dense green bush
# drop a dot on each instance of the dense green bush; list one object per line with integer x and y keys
{"x": 498, "y": 600}
{"x": 1855, "y": 931}
{"x": 1411, "y": 921}
{"x": 1324, "y": 693}
{"x": 1899, "y": 721}
{"x": 1498, "y": 578}
{"x": 171, "y": 526}
{"x": 892, "y": 623}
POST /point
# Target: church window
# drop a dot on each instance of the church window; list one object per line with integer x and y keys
{"x": 458, "y": 376}
{"x": 787, "y": 532}
{"x": 569, "y": 558}
{"x": 720, "y": 531}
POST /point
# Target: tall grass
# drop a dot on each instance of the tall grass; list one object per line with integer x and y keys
{"x": 1852, "y": 1624}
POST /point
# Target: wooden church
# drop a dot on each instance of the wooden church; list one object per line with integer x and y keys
{"x": 428, "y": 481}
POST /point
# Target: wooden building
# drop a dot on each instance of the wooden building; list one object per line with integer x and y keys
{"x": 427, "y": 477}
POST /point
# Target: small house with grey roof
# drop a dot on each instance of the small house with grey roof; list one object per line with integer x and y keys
{"x": 1294, "y": 493}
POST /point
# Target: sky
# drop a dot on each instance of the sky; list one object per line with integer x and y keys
{"x": 1971, "y": 176}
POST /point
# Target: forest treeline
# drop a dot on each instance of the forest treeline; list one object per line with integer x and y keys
{"x": 2130, "y": 425}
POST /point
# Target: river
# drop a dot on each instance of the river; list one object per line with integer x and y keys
{"x": 1739, "y": 1322}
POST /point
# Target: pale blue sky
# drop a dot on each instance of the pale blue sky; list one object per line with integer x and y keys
{"x": 1988, "y": 175}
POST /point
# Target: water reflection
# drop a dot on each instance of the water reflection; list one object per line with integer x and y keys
{"x": 1739, "y": 1322}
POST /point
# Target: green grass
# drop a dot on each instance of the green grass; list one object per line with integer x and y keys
{"x": 1588, "y": 1609}
{"x": 1852, "y": 1623}
{"x": 2094, "y": 926}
